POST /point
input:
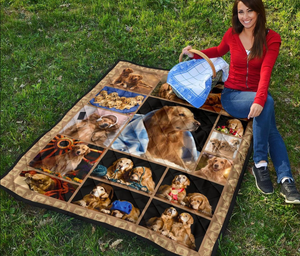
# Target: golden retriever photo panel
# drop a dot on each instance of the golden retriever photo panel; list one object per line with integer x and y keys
{"x": 131, "y": 155}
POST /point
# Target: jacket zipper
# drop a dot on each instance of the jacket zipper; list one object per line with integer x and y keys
{"x": 247, "y": 74}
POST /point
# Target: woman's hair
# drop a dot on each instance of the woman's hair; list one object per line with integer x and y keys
{"x": 259, "y": 31}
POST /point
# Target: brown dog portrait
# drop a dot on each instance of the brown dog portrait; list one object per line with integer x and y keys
{"x": 64, "y": 163}
{"x": 198, "y": 202}
{"x": 181, "y": 230}
{"x": 165, "y": 131}
{"x": 95, "y": 129}
{"x": 99, "y": 198}
{"x": 40, "y": 183}
{"x": 119, "y": 170}
{"x": 143, "y": 176}
{"x": 176, "y": 191}
{"x": 217, "y": 169}
{"x": 117, "y": 211}
{"x": 163, "y": 224}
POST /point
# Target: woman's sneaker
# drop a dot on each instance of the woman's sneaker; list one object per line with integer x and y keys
{"x": 263, "y": 180}
{"x": 289, "y": 191}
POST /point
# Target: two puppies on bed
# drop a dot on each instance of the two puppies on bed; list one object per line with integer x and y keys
{"x": 123, "y": 171}
{"x": 176, "y": 192}
{"x": 173, "y": 226}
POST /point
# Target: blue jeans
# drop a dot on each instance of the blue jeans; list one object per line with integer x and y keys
{"x": 266, "y": 137}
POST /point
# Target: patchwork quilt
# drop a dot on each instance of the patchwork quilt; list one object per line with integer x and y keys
{"x": 132, "y": 156}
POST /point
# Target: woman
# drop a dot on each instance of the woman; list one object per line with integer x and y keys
{"x": 254, "y": 50}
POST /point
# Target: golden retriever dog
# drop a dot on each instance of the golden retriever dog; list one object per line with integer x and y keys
{"x": 215, "y": 145}
{"x": 128, "y": 103}
{"x": 213, "y": 99}
{"x": 94, "y": 129}
{"x": 166, "y": 92}
{"x": 236, "y": 125}
{"x": 40, "y": 183}
{"x": 122, "y": 77}
{"x": 123, "y": 210}
{"x": 64, "y": 163}
{"x": 143, "y": 176}
{"x": 163, "y": 224}
{"x": 234, "y": 143}
{"x": 99, "y": 198}
{"x": 217, "y": 169}
{"x": 181, "y": 230}
{"x": 139, "y": 99}
{"x": 227, "y": 149}
{"x": 165, "y": 131}
{"x": 119, "y": 169}
{"x": 133, "y": 81}
{"x": 198, "y": 202}
{"x": 176, "y": 191}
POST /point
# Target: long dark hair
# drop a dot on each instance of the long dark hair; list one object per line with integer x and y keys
{"x": 259, "y": 31}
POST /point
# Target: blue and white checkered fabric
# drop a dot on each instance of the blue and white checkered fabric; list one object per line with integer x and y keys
{"x": 191, "y": 80}
{"x": 134, "y": 139}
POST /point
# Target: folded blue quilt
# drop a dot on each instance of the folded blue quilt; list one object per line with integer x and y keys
{"x": 191, "y": 80}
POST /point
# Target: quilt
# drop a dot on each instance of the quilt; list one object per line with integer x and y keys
{"x": 134, "y": 157}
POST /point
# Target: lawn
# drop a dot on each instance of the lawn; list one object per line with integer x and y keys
{"x": 53, "y": 52}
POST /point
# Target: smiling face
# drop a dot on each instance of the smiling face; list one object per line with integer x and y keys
{"x": 246, "y": 16}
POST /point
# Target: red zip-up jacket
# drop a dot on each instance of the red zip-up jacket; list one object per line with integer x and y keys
{"x": 247, "y": 75}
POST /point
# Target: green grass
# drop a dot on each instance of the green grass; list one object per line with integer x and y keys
{"x": 53, "y": 52}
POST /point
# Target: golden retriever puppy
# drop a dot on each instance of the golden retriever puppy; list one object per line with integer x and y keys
{"x": 163, "y": 224}
{"x": 123, "y": 76}
{"x": 119, "y": 169}
{"x": 166, "y": 92}
{"x": 99, "y": 198}
{"x": 217, "y": 169}
{"x": 94, "y": 129}
{"x": 64, "y": 163}
{"x": 132, "y": 81}
{"x": 143, "y": 176}
{"x": 234, "y": 143}
{"x": 226, "y": 149}
{"x": 114, "y": 96}
{"x": 213, "y": 99}
{"x": 128, "y": 103}
{"x": 123, "y": 210}
{"x": 181, "y": 230}
{"x": 40, "y": 183}
{"x": 236, "y": 126}
{"x": 139, "y": 99}
{"x": 176, "y": 191}
{"x": 215, "y": 145}
{"x": 198, "y": 202}
{"x": 118, "y": 104}
{"x": 165, "y": 131}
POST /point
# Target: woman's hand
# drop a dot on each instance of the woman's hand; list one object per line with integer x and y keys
{"x": 255, "y": 110}
{"x": 185, "y": 51}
